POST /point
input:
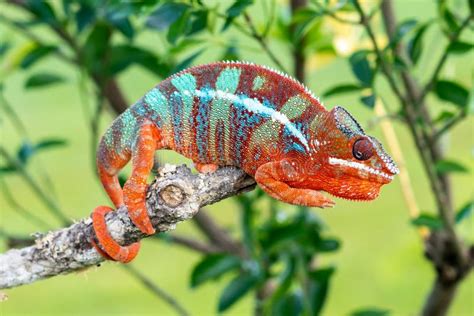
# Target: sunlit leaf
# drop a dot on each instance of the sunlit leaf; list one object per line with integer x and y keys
{"x": 361, "y": 67}
{"x": 452, "y": 92}
{"x": 236, "y": 289}
{"x": 460, "y": 47}
{"x": 35, "y": 55}
{"x": 42, "y": 80}
{"x": 428, "y": 220}
{"x": 341, "y": 89}
{"x": 212, "y": 267}
{"x": 464, "y": 212}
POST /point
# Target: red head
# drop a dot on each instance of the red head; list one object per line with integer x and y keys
{"x": 344, "y": 161}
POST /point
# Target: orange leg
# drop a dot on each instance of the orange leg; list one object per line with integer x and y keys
{"x": 134, "y": 190}
{"x": 133, "y": 195}
{"x": 271, "y": 178}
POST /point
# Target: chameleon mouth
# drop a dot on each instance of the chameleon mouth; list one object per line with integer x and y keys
{"x": 352, "y": 164}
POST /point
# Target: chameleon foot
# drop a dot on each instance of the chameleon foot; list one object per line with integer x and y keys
{"x": 205, "y": 168}
{"x": 109, "y": 248}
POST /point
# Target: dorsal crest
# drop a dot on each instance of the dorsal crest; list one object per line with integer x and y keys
{"x": 346, "y": 123}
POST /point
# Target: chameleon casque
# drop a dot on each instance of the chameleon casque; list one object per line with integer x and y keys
{"x": 245, "y": 115}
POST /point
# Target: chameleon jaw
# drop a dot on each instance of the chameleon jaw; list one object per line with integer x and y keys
{"x": 356, "y": 165}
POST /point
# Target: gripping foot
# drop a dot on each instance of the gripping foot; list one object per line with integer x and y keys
{"x": 109, "y": 248}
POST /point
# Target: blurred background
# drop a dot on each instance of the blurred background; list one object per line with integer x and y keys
{"x": 67, "y": 68}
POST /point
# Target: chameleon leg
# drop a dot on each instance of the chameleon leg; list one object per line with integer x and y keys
{"x": 205, "y": 168}
{"x": 134, "y": 191}
{"x": 111, "y": 249}
{"x": 271, "y": 178}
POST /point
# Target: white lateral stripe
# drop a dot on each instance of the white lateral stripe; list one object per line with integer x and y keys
{"x": 356, "y": 165}
{"x": 255, "y": 106}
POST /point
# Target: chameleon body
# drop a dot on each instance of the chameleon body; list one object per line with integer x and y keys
{"x": 245, "y": 115}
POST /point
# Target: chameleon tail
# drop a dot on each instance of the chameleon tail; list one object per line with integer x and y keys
{"x": 111, "y": 249}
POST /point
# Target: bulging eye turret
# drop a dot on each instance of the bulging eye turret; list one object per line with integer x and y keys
{"x": 362, "y": 149}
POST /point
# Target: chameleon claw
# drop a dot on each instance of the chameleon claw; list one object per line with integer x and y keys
{"x": 109, "y": 248}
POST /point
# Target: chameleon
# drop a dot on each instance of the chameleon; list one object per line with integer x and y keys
{"x": 238, "y": 114}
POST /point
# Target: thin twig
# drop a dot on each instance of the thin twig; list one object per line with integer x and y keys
{"x": 263, "y": 43}
{"x": 52, "y": 206}
{"x": 25, "y": 213}
{"x": 149, "y": 284}
{"x": 452, "y": 122}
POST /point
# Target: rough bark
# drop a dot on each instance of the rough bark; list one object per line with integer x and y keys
{"x": 174, "y": 196}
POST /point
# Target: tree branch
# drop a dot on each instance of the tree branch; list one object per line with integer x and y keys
{"x": 176, "y": 195}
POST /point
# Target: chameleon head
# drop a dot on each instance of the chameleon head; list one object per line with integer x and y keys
{"x": 348, "y": 163}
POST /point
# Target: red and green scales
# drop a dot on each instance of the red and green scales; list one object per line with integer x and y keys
{"x": 245, "y": 115}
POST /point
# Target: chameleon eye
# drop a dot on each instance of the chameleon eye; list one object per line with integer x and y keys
{"x": 362, "y": 149}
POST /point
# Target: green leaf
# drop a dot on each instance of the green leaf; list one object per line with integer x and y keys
{"x": 452, "y": 92}
{"x": 460, "y": 47}
{"x": 212, "y": 267}
{"x": 318, "y": 288}
{"x": 343, "y": 88}
{"x": 97, "y": 43}
{"x": 198, "y": 21}
{"x": 27, "y": 149}
{"x": 328, "y": 245}
{"x": 42, "y": 10}
{"x": 464, "y": 212}
{"x": 428, "y": 220}
{"x": 84, "y": 17}
{"x": 361, "y": 67}
{"x": 35, "y": 55}
{"x": 450, "y": 20}
{"x": 178, "y": 28}
{"x": 302, "y": 21}
{"x": 371, "y": 311}
{"x": 415, "y": 44}
{"x": 446, "y": 166}
{"x": 42, "y": 80}
{"x": 444, "y": 116}
{"x": 165, "y": 15}
{"x": 235, "y": 10}
{"x": 289, "y": 304}
{"x": 4, "y": 47}
{"x": 369, "y": 100}
{"x": 236, "y": 289}
{"x": 122, "y": 56}
{"x": 402, "y": 29}
{"x": 48, "y": 143}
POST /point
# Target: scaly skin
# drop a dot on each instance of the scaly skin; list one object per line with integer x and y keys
{"x": 245, "y": 115}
